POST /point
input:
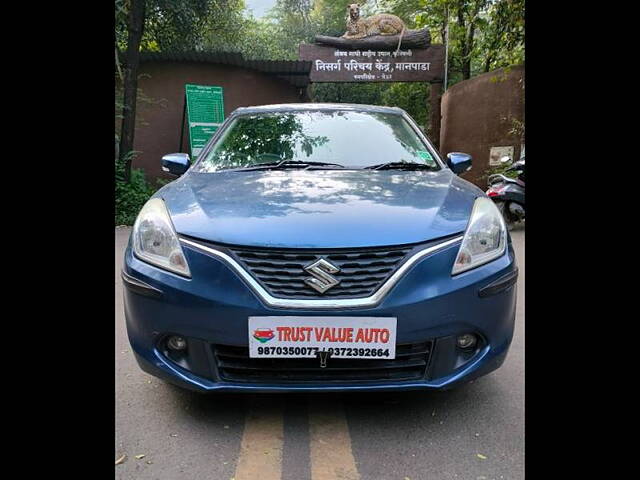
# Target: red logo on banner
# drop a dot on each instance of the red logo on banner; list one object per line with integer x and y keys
{"x": 263, "y": 335}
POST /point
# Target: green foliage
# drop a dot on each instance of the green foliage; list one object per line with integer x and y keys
{"x": 184, "y": 24}
{"x": 329, "y": 17}
{"x": 130, "y": 197}
{"x": 368, "y": 93}
{"x": 172, "y": 25}
{"x": 501, "y": 41}
{"x": 502, "y": 168}
{"x": 483, "y": 34}
{"x": 121, "y": 12}
{"x": 277, "y": 35}
{"x": 517, "y": 128}
{"x": 264, "y": 39}
{"x": 412, "y": 97}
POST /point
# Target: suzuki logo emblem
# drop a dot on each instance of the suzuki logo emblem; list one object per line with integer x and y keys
{"x": 322, "y": 280}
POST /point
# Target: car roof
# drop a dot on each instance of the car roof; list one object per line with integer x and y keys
{"x": 300, "y": 107}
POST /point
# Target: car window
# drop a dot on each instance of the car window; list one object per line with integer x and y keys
{"x": 352, "y": 139}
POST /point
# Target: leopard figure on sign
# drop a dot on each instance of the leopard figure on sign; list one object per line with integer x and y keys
{"x": 380, "y": 24}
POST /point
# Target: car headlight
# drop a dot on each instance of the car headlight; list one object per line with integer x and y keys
{"x": 155, "y": 240}
{"x": 485, "y": 238}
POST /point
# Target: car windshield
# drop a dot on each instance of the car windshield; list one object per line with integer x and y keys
{"x": 336, "y": 139}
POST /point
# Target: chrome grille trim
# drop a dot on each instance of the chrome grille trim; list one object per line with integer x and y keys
{"x": 284, "y": 272}
{"x": 320, "y": 303}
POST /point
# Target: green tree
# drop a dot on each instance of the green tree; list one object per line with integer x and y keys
{"x": 265, "y": 40}
{"x": 468, "y": 19}
{"x": 292, "y": 25}
{"x": 162, "y": 25}
{"x": 135, "y": 26}
{"x": 411, "y": 97}
{"x": 483, "y": 34}
{"x": 502, "y": 40}
{"x": 329, "y": 17}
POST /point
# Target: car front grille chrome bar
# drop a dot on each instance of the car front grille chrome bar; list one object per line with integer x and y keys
{"x": 320, "y": 303}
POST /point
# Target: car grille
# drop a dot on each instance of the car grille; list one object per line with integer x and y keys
{"x": 282, "y": 273}
{"x": 234, "y": 365}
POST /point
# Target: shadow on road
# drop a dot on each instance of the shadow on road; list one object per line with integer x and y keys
{"x": 199, "y": 407}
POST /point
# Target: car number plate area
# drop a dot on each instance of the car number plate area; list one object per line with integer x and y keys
{"x": 310, "y": 337}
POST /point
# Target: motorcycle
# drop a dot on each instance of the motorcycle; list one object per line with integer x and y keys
{"x": 508, "y": 193}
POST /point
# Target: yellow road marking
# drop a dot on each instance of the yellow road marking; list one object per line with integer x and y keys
{"x": 262, "y": 440}
{"x": 330, "y": 443}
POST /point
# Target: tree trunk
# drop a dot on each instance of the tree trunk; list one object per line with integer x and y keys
{"x": 465, "y": 60}
{"x": 435, "y": 94}
{"x": 469, "y": 42}
{"x": 487, "y": 63}
{"x": 135, "y": 27}
{"x": 411, "y": 39}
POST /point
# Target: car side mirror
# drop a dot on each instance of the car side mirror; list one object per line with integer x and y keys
{"x": 459, "y": 162}
{"x": 176, "y": 163}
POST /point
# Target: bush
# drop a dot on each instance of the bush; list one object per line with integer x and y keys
{"x": 498, "y": 169}
{"x": 130, "y": 197}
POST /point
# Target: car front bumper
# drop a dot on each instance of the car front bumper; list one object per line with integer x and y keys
{"x": 212, "y": 308}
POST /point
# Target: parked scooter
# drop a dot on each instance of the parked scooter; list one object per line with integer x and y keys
{"x": 508, "y": 193}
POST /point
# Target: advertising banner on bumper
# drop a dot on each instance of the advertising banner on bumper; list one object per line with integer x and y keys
{"x": 308, "y": 337}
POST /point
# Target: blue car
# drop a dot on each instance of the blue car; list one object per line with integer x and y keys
{"x": 319, "y": 247}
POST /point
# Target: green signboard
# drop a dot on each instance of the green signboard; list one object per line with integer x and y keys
{"x": 205, "y": 113}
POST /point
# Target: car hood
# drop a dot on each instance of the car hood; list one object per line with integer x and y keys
{"x": 319, "y": 208}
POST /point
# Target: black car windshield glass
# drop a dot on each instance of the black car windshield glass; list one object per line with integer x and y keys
{"x": 346, "y": 138}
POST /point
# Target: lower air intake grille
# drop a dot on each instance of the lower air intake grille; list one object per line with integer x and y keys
{"x": 234, "y": 365}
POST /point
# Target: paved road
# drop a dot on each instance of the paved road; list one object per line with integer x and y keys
{"x": 183, "y": 435}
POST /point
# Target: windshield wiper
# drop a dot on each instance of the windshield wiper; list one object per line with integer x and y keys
{"x": 401, "y": 166}
{"x": 286, "y": 164}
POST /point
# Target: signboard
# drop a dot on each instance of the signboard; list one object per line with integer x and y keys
{"x": 496, "y": 153}
{"x": 335, "y": 337}
{"x": 329, "y": 64}
{"x": 205, "y": 113}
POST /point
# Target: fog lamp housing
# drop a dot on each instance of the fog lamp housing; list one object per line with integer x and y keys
{"x": 466, "y": 341}
{"x": 177, "y": 343}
